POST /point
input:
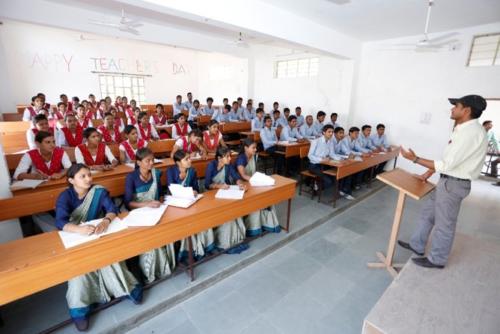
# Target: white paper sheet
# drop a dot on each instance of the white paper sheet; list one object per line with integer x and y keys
{"x": 145, "y": 216}
{"x": 130, "y": 164}
{"x": 26, "y": 184}
{"x": 233, "y": 192}
{"x": 261, "y": 180}
{"x": 157, "y": 161}
{"x": 70, "y": 239}
{"x": 181, "y": 202}
{"x": 179, "y": 191}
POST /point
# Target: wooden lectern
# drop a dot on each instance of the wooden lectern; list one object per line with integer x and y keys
{"x": 407, "y": 184}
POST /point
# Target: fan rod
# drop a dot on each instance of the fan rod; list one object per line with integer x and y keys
{"x": 428, "y": 19}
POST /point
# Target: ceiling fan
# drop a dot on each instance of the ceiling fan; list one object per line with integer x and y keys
{"x": 125, "y": 24}
{"x": 431, "y": 44}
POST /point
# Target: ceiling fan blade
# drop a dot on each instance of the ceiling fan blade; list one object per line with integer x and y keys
{"x": 129, "y": 30}
{"x": 134, "y": 23}
{"x": 106, "y": 24}
{"x": 442, "y": 37}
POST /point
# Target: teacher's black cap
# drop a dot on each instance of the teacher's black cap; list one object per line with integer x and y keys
{"x": 473, "y": 101}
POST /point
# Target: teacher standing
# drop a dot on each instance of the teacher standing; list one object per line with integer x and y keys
{"x": 462, "y": 162}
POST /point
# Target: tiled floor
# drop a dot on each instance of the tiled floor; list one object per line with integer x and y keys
{"x": 319, "y": 283}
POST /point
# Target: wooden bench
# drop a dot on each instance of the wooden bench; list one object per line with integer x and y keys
{"x": 12, "y": 117}
{"x": 235, "y": 127}
{"x": 36, "y": 263}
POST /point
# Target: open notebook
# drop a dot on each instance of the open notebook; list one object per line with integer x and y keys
{"x": 145, "y": 216}
{"x": 70, "y": 239}
{"x": 233, "y": 192}
{"x": 182, "y": 197}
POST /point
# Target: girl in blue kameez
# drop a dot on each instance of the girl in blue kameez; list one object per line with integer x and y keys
{"x": 220, "y": 174}
{"x": 143, "y": 189}
{"x": 266, "y": 219}
{"x": 182, "y": 173}
{"x": 80, "y": 203}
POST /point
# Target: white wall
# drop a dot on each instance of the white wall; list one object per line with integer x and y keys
{"x": 398, "y": 88}
{"x": 36, "y": 59}
{"x": 330, "y": 91}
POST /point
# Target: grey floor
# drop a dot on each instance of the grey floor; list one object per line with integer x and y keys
{"x": 315, "y": 282}
{"x": 319, "y": 283}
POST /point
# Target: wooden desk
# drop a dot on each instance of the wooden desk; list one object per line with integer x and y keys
{"x": 350, "y": 167}
{"x": 36, "y": 263}
{"x": 235, "y": 127}
{"x": 407, "y": 185}
{"x": 292, "y": 149}
{"x": 20, "y": 126}
{"x": 255, "y": 135}
{"x": 203, "y": 120}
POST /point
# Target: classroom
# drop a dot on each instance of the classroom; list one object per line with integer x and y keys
{"x": 266, "y": 166}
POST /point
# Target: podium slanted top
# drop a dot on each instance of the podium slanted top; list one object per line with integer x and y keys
{"x": 407, "y": 183}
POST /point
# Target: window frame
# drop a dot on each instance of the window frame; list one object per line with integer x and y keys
{"x": 494, "y": 61}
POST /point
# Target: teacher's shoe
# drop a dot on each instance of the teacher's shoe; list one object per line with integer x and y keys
{"x": 407, "y": 246}
{"x": 424, "y": 262}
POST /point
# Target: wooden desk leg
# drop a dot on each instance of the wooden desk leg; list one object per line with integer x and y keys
{"x": 395, "y": 161}
{"x": 370, "y": 178}
{"x": 336, "y": 188}
{"x": 386, "y": 261}
{"x": 287, "y": 229}
{"x": 190, "y": 259}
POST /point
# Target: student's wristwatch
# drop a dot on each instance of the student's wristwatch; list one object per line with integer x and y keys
{"x": 416, "y": 160}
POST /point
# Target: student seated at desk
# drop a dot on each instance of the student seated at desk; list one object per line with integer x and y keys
{"x": 235, "y": 114}
{"x": 278, "y": 120}
{"x": 40, "y": 123}
{"x": 81, "y": 117}
{"x": 184, "y": 174}
{"x": 34, "y": 109}
{"x": 225, "y": 115}
{"x": 286, "y": 114}
{"x": 178, "y": 106}
{"x": 220, "y": 174}
{"x": 102, "y": 109}
{"x": 189, "y": 103}
{"x": 159, "y": 121}
{"x": 83, "y": 202}
{"x": 64, "y": 99}
{"x": 57, "y": 114}
{"x": 308, "y": 130}
{"x": 249, "y": 112}
{"x": 276, "y": 106}
{"x": 194, "y": 112}
{"x": 266, "y": 219}
{"x": 209, "y": 110}
{"x": 111, "y": 132}
{"x": 333, "y": 120}
{"x": 258, "y": 121}
{"x": 71, "y": 134}
{"x": 379, "y": 140}
{"x": 46, "y": 161}
{"x": 290, "y": 133}
{"x": 364, "y": 139}
{"x": 94, "y": 153}
{"x": 191, "y": 144}
{"x": 143, "y": 189}
{"x": 300, "y": 118}
{"x": 131, "y": 115}
{"x": 181, "y": 127}
{"x": 93, "y": 102}
{"x": 241, "y": 109}
{"x": 320, "y": 122}
{"x": 212, "y": 138}
{"x": 129, "y": 147}
{"x": 145, "y": 130}
{"x": 270, "y": 141}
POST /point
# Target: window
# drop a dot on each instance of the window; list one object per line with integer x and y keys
{"x": 295, "y": 68}
{"x": 114, "y": 85}
{"x": 485, "y": 50}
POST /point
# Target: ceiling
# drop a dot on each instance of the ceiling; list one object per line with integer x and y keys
{"x": 369, "y": 20}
